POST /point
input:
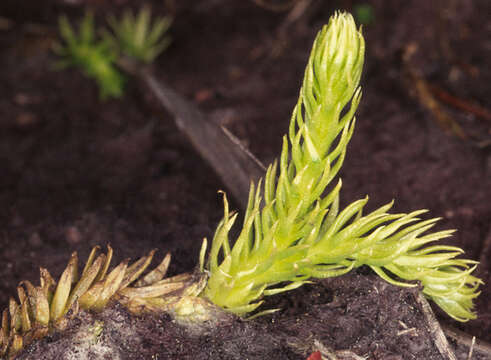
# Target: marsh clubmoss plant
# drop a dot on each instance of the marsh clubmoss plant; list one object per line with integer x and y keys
{"x": 135, "y": 36}
{"x": 293, "y": 229}
{"x": 48, "y": 307}
{"x": 94, "y": 57}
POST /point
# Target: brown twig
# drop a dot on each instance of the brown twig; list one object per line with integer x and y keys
{"x": 330, "y": 354}
{"x": 478, "y": 346}
{"x": 233, "y": 163}
{"x": 436, "y": 331}
{"x": 461, "y": 104}
{"x": 294, "y": 16}
{"x": 426, "y": 97}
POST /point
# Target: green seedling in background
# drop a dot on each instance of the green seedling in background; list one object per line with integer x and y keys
{"x": 293, "y": 229}
{"x": 364, "y": 14}
{"x": 137, "y": 37}
{"x": 134, "y": 36}
{"x": 96, "y": 58}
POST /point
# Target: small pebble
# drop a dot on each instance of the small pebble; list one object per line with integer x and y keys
{"x": 203, "y": 95}
{"x": 35, "y": 240}
{"x": 26, "y": 99}
{"x": 73, "y": 236}
{"x": 26, "y": 119}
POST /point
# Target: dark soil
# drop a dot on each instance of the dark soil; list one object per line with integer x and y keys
{"x": 76, "y": 172}
{"x": 361, "y": 313}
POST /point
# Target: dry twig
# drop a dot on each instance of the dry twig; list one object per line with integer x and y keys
{"x": 436, "y": 331}
{"x": 461, "y": 104}
{"x": 233, "y": 163}
{"x": 425, "y": 96}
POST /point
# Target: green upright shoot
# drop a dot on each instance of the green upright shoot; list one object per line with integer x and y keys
{"x": 96, "y": 58}
{"x": 293, "y": 229}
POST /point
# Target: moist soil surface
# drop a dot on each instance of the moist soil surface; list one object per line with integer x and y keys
{"x": 77, "y": 172}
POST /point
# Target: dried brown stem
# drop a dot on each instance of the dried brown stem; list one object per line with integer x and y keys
{"x": 479, "y": 347}
{"x": 233, "y": 163}
{"x": 461, "y": 104}
{"x": 425, "y": 96}
{"x": 436, "y": 331}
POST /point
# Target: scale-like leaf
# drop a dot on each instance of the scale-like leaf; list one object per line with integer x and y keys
{"x": 294, "y": 232}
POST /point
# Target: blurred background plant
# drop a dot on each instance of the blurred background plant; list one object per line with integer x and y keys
{"x": 133, "y": 36}
{"x": 364, "y": 13}
{"x": 94, "y": 57}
